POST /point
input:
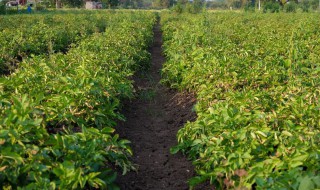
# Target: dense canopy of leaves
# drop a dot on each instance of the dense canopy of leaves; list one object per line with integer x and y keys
{"x": 257, "y": 82}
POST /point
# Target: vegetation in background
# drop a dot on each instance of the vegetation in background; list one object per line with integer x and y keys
{"x": 188, "y": 7}
{"x": 290, "y": 7}
{"x": 162, "y": 3}
{"x": 179, "y": 5}
{"x": 271, "y": 7}
{"x": 22, "y": 36}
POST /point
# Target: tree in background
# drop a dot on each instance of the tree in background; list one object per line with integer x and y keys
{"x": 182, "y": 2}
{"x": 2, "y": 7}
{"x": 314, "y": 4}
{"x": 162, "y": 3}
{"x": 195, "y": 6}
{"x": 147, "y": 3}
{"x": 111, "y": 3}
{"x": 218, "y": 4}
{"x": 58, "y": 4}
{"x": 72, "y": 3}
{"x": 131, "y": 4}
{"x": 198, "y": 5}
{"x": 245, "y": 2}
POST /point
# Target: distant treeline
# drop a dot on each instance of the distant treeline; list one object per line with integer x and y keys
{"x": 274, "y": 5}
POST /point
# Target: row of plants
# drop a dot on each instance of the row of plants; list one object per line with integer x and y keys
{"x": 257, "y": 82}
{"x": 25, "y": 35}
{"x": 57, "y": 112}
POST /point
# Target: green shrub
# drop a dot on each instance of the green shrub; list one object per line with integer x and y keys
{"x": 2, "y": 8}
{"x": 40, "y": 7}
{"x": 305, "y": 5}
{"x": 249, "y": 8}
{"x": 290, "y": 7}
{"x": 314, "y": 4}
{"x": 192, "y": 8}
{"x": 178, "y": 8}
{"x": 271, "y": 7}
{"x": 57, "y": 111}
{"x": 257, "y": 85}
{"x": 28, "y": 34}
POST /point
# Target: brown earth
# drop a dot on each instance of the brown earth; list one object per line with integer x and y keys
{"x": 152, "y": 122}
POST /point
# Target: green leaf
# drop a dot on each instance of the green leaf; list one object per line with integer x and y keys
{"x": 300, "y": 158}
{"x": 286, "y": 133}
{"x": 306, "y": 184}
{"x": 174, "y": 150}
{"x": 111, "y": 178}
{"x": 12, "y": 155}
{"x": 196, "y": 142}
{"x": 197, "y": 180}
{"x": 58, "y": 172}
{"x": 316, "y": 181}
{"x": 113, "y": 187}
{"x": 107, "y": 130}
{"x": 295, "y": 164}
{"x": 4, "y": 133}
{"x": 261, "y": 133}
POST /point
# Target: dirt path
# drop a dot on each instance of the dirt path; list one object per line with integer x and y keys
{"x": 153, "y": 120}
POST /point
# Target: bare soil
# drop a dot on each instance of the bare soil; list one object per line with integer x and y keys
{"x": 152, "y": 122}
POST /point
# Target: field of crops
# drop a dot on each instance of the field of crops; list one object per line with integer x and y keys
{"x": 257, "y": 82}
{"x": 22, "y": 36}
{"x": 58, "y": 110}
{"x": 64, "y": 76}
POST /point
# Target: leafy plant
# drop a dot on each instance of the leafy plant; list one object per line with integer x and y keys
{"x": 272, "y": 7}
{"x": 257, "y": 86}
{"x": 290, "y": 7}
{"x": 57, "y": 112}
{"x": 25, "y": 35}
